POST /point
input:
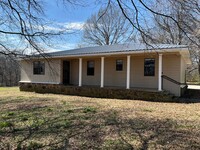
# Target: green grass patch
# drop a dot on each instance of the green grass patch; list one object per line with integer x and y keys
{"x": 50, "y": 109}
{"x": 67, "y": 123}
{"x": 89, "y": 109}
{"x": 11, "y": 113}
{"x": 24, "y": 118}
{"x": 7, "y": 115}
{"x": 116, "y": 144}
{"x": 9, "y": 89}
{"x": 70, "y": 110}
{"x": 147, "y": 110}
{"x": 111, "y": 119}
{"x": 62, "y": 124}
{"x": 5, "y": 124}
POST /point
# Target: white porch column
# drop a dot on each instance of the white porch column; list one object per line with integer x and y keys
{"x": 160, "y": 72}
{"x": 102, "y": 72}
{"x": 80, "y": 72}
{"x": 128, "y": 72}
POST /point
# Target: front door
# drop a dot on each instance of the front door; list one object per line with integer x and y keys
{"x": 66, "y": 72}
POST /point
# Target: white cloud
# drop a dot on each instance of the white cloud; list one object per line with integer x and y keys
{"x": 66, "y": 26}
{"x": 68, "y": 41}
{"x": 74, "y": 25}
{"x": 50, "y": 28}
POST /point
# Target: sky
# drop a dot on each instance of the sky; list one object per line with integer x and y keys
{"x": 70, "y": 16}
{"x": 74, "y": 17}
{"x": 59, "y": 17}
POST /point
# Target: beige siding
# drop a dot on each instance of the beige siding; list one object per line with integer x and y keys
{"x": 91, "y": 80}
{"x": 172, "y": 69}
{"x": 52, "y": 72}
{"x": 112, "y": 77}
{"x": 137, "y": 73}
{"x": 183, "y": 69}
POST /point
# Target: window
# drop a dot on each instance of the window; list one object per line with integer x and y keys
{"x": 90, "y": 68}
{"x": 149, "y": 67}
{"x": 119, "y": 65}
{"x": 38, "y": 67}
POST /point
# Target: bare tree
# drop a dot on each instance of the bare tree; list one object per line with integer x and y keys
{"x": 177, "y": 21}
{"x": 24, "y": 27}
{"x": 139, "y": 13}
{"x": 166, "y": 30}
{"x": 24, "y": 30}
{"x": 107, "y": 27}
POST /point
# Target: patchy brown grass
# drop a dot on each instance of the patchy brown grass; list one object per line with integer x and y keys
{"x": 48, "y": 121}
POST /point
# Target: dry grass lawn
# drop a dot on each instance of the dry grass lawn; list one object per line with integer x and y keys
{"x": 49, "y": 121}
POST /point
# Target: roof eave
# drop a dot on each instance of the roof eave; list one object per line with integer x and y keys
{"x": 121, "y": 53}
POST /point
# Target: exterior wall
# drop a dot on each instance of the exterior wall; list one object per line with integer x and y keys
{"x": 172, "y": 69}
{"x": 52, "y": 72}
{"x": 183, "y": 69}
{"x": 91, "y": 80}
{"x": 112, "y": 77}
{"x": 137, "y": 73}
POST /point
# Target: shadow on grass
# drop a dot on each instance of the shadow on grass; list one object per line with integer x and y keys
{"x": 64, "y": 127}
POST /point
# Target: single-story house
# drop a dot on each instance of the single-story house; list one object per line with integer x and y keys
{"x": 129, "y": 66}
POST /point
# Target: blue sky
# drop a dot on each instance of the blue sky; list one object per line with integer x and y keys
{"x": 72, "y": 16}
{"x": 70, "y": 13}
{"x": 59, "y": 17}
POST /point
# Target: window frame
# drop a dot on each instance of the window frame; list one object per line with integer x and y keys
{"x": 119, "y": 67}
{"x": 39, "y": 69}
{"x": 149, "y": 71}
{"x": 90, "y": 70}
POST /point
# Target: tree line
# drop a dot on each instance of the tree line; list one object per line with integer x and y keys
{"x": 9, "y": 71}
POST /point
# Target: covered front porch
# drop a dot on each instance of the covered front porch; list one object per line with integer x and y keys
{"x": 124, "y": 72}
